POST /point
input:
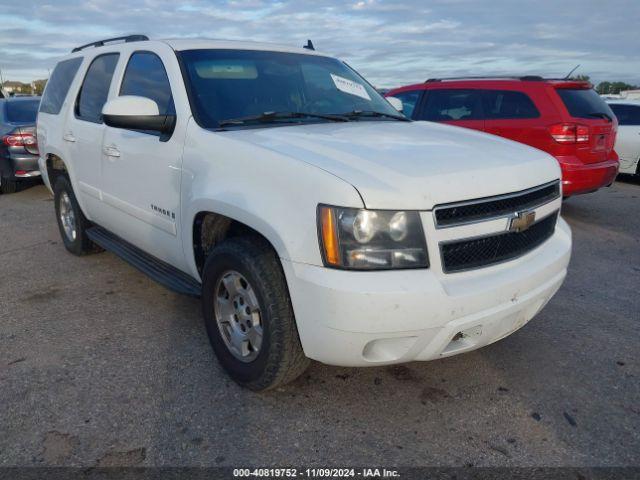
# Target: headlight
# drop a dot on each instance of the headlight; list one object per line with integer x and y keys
{"x": 359, "y": 239}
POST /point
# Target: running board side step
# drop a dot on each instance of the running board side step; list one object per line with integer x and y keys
{"x": 159, "y": 271}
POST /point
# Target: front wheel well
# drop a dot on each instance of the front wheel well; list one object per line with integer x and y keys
{"x": 209, "y": 229}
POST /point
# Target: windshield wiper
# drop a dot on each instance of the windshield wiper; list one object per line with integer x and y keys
{"x": 373, "y": 113}
{"x": 606, "y": 116}
{"x": 267, "y": 117}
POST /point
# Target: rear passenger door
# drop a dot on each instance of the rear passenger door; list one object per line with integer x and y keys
{"x": 460, "y": 107}
{"x": 84, "y": 129}
{"x": 141, "y": 170}
{"x": 512, "y": 114}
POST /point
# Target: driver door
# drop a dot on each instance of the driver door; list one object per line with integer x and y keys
{"x": 141, "y": 170}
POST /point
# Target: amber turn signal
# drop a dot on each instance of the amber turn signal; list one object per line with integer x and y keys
{"x": 329, "y": 236}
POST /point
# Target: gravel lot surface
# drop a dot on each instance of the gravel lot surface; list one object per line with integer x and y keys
{"x": 101, "y": 366}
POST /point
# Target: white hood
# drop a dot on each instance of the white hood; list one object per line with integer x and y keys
{"x": 402, "y": 165}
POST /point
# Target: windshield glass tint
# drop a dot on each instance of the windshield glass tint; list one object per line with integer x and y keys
{"x": 583, "y": 103}
{"x": 23, "y": 111}
{"x": 229, "y": 84}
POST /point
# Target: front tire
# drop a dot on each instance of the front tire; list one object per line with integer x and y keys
{"x": 72, "y": 223}
{"x": 248, "y": 315}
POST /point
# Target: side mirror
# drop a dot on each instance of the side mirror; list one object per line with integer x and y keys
{"x": 395, "y": 103}
{"x": 137, "y": 113}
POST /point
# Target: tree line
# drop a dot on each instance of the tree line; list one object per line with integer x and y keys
{"x": 607, "y": 87}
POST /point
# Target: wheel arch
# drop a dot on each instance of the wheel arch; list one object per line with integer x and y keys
{"x": 55, "y": 166}
{"x": 211, "y": 224}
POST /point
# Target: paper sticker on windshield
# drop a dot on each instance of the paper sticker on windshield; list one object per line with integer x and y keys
{"x": 352, "y": 88}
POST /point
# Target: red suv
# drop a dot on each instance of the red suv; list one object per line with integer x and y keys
{"x": 565, "y": 118}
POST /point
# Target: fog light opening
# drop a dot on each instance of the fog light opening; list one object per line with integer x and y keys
{"x": 463, "y": 340}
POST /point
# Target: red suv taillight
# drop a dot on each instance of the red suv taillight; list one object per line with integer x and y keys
{"x": 569, "y": 133}
{"x": 22, "y": 139}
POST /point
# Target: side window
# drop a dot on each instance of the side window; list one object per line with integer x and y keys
{"x": 626, "y": 114}
{"x": 146, "y": 76}
{"x": 95, "y": 88}
{"x": 454, "y": 104}
{"x": 409, "y": 101}
{"x": 58, "y": 85}
{"x": 508, "y": 104}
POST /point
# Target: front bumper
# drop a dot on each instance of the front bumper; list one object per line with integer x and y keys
{"x": 580, "y": 178}
{"x": 374, "y": 318}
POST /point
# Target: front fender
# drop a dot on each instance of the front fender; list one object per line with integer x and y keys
{"x": 274, "y": 194}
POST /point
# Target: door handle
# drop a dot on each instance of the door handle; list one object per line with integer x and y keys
{"x": 111, "y": 152}
{"x": 68, "y": 137}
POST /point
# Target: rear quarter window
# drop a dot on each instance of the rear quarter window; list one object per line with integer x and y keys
{"x": 58, "y": 85}
{"x": 627, "y": 114}
{"x": 583, "y": 103}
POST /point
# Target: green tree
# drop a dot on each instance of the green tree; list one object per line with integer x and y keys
{"x": 38, "y": 86}
{"x": 614, "y": 88}
{"x": 582, "y": 78}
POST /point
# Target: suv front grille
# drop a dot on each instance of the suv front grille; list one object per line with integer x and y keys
{"x": 492, "y": 207}
{"x": 479, "y": 252}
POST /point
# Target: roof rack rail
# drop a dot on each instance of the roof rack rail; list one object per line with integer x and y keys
{"x": 101, "y": 43}
{"x": 530, "y": 78}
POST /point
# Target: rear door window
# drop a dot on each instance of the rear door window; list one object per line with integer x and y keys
{"x": 584, "y": 103}
{"x": 58, "y": 85}
{"x": 452, "y": 104}
{"x": 409, "y": 101}
{"x": 627, "y": 114}
{"x": 146, "y": 76}
{"x": 95, "y": 88}
{"x": 23, "y": 111}
{"x": 508, "y": 104}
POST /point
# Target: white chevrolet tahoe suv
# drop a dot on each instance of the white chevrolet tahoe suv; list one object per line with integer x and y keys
{"x": 312, "y": 218}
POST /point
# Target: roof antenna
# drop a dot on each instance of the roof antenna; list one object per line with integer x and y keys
{"x": 309, "y": 45}
{"x": 569, "y": 74}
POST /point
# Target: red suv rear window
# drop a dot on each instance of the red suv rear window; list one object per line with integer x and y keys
{"x": 584, "y": 103}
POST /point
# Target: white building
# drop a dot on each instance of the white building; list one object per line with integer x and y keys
{"x": 630, "y": 94}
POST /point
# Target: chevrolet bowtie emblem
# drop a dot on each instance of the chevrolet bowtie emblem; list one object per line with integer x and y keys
{"x": 521, "y": 221}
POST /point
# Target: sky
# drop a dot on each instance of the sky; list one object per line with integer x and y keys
{"x": 391, "y": 43}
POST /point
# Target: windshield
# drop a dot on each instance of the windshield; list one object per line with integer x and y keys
{"x": 584, "y": 103}
{"x": 22, "y": 111}
{"x": 227, "y": 85}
